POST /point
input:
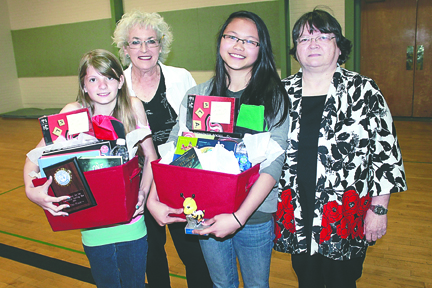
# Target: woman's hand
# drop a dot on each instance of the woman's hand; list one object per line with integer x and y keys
{"x": 222, "y": 225}
{"x": 375, "y": 226}
{"x": 39, "y": 195}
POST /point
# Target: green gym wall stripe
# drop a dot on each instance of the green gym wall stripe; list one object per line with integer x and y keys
{"x": 285, "y": 36}
{"x": 195, "y": 32}
{"x": 56, "y": 50}
{"x": 349, "y": 32}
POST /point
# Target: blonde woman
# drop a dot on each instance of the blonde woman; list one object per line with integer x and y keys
{"x": 144, "y": 41}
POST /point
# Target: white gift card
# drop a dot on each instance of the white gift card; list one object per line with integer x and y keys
{"x": 78, "y": 123}
{"x": 220, "y": 112}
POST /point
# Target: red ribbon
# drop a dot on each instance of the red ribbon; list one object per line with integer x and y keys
{"x": 103, "y": 127}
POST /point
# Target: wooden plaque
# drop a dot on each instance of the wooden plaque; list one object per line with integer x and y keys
{"x": 68, "y": 179}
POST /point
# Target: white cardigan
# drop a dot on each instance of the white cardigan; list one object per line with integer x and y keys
{"x": 177, "y": 82}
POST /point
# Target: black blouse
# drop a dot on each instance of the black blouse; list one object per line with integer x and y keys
{"x": 310, "y": 122}
{"x": 161, "y": 116}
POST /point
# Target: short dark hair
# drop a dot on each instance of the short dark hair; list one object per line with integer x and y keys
{"x": 324, "y": 22}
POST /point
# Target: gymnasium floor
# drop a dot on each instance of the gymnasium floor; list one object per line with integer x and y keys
{"x": 32, "y": 255}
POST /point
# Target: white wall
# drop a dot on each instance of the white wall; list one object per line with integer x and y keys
{"x": 36, "y": 13}
{"x": 23, "y": 14}
{"x": 172, "y": 5}
{"x": 10, "y": 95}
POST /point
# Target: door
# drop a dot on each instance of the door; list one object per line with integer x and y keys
{"x": 422, "y": 106}
{"x": 396, "y": 52}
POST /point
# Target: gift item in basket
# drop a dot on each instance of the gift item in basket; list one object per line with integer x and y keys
{"x": 210, "y": 134}
{"x": 250, "y": 119}
{"x": 108, "y": 128}
{"x": 211, "y": 113}
{"x": 69, "y": 180}
{"x": 188, "y": 159}
{"x": 215, "y": 192}
{"x": 115, "y": 190}
{"x": 98, "y": 162}
{"x": 186, "y": 143}
{"x": 65, "y": 125}
{"x": 236, "y": 145}
{"x": 104, "y": 148}
{"x": 49, "y": 160}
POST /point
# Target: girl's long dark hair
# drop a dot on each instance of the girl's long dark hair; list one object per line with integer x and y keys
{"x": 265, "y": 86}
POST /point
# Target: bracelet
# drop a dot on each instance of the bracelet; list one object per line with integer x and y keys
{"x": 235, "y": 217}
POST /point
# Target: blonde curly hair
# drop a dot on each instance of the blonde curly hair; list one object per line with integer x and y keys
{"x": 146, "y": 20}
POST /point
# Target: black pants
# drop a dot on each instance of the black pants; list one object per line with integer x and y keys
{"x": 317, "y": 271}
{"x": 188, "y": 249}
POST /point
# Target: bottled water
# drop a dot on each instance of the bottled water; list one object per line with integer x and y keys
{"x": 242, "y": 157}
{"x": 121, "y": 150}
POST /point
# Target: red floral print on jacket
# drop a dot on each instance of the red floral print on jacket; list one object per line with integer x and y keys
{"x": 285, "y": 211}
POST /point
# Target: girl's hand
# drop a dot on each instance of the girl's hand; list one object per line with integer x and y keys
{"x": 140, "y": 204}
{"x": 222, "y": 225}
{"x": 161, "y": 212}
{"x": 39, "y": 195}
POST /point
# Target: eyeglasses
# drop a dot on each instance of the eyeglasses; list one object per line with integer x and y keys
{"x": 233, "y": 39}
{"x": 150, "y": 43}
{"x": 319, "y": 39}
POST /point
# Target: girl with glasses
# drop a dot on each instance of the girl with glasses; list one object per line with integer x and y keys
{"x": 245, "y": 69}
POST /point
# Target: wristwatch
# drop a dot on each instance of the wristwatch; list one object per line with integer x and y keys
{"x": 378, "y": 209}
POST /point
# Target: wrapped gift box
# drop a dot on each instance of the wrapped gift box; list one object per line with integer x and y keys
{"x": 215, "y": 192}
{"x": 115, "y": 190}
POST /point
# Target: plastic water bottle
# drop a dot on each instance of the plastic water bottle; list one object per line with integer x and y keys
{"x": 121, "y": 150}
{"x": 242, "y": 157}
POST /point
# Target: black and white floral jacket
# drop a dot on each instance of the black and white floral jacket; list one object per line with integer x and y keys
{"x": 358, "y": 158}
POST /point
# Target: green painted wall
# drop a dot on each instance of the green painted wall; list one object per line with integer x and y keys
{"x": 56, "y": 50}
{"x": 352, "y": 32}
{"x": 195, "y": 31}
{"x": 285, "y": 38}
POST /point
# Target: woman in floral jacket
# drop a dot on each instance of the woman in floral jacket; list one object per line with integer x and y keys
{"x": 343, "y": 160}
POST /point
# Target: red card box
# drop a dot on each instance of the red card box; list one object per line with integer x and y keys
{"x": 215, "y": 192}
{"x": 115, "y": 190}
{"x": 56, "y": 125}
{"x": 199, "y": 109}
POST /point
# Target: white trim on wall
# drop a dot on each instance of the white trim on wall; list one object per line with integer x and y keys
{"x": 56, "y": 92}
{"x": 172, "y": 5}
{"x": 48, "y": 92}
{"x": 26, "y": 14}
